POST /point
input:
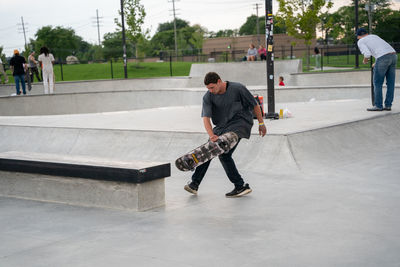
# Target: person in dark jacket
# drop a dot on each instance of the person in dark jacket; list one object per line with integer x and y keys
{"x": 17, "y": 67}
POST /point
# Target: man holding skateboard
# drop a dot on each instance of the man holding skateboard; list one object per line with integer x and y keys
{"x": 229, "y": 106}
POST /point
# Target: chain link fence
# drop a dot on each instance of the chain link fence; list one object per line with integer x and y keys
{"x": 170, "y": 64}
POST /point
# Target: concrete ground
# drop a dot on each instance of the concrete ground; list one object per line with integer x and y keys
{"x": 325, "y": 182}
{"x": 305, "y": 116}
{"x": 325, "y": 193}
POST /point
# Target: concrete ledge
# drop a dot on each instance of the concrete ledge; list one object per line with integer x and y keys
{"x": 83, "y": 192}
{"x": 83, "y": 181}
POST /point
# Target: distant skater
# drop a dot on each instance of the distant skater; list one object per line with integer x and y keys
{"x": 46, "y": 60}
{"x": 385, "y": 66}
{"x": 229, "y": 105}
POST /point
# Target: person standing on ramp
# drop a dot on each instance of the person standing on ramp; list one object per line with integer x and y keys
{"x": 385, "y": 66}
{"x": 230, "y": 107}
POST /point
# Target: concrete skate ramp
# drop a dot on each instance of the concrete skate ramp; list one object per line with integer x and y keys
{"x": 77, "y": 103}
{"x": 368, "y": 141}
{"x": 107, "y": 101}
{"x": 111, "y": 85}
{"x": 249, "y": 73}
{"x": 343, "y": 78}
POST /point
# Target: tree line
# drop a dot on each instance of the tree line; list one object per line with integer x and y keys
{"x": 298, "y": 18}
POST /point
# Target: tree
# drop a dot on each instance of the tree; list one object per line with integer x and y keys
{"x": 250, "y": 26}
{"x": 387, "y": 25}
{"x": 302, "y": 17}
{"x": 197, "y": 37}
{"x": 113, "y": 46}
{"x": 167, "y": 26}
{"x": 189, "y": 37}
{"x": 224, "y": 33}
{"x": 62, "y": 42}
{"x": 385, "y": 22}
{"x": 163, "y": 39}
{"x": 95, "y": 52}
{"x": 134, "y": 14}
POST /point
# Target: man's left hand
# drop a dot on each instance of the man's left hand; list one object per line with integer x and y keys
{"x": 262, "y": 130}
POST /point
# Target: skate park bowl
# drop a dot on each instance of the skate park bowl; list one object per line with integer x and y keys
{"x": 325, "y": 181}
{"x": 133, "y": 94}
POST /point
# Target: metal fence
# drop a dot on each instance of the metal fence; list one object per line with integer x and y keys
{"x": 330, "y": 55}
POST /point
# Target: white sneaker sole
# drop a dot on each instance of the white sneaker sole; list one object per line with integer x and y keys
{"x": 190, "y": 190}
{"x": 245, "y": 192}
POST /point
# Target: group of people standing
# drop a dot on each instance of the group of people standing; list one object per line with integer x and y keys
{"x": 24, "y": 71}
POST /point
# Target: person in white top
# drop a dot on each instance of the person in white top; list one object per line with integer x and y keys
{"x": 46, "y": 60}
{"x": 252, "y": 53}
{"x": 385, "y": 66}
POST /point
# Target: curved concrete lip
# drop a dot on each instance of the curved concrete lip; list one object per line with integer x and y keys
{"x": 305, "y": 116}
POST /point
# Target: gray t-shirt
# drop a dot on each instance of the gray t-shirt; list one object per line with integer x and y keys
{"x": 31, "y": 63}
{"x": 231, "y": 111}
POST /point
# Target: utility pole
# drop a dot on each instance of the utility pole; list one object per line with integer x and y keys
{"x": 269, "y": 35}
{"x": 124, "y": 40}
{"x": 258, "y": 24}
{"x": 97, "y": 22}
{"x": 176, "y": 43}
{"x": 23, "y": 29}
{"x": 356, "y": 26}
{"x": 370, "y": 8}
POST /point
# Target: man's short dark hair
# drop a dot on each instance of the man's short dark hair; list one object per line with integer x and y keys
{"x": 211, "y": 77}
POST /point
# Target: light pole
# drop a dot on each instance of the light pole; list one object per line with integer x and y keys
{"x": 124, "y": 40}
{"x": 356, "y": 26}
{"x": 269, "y": 35}
{"x": 370, "y": 8}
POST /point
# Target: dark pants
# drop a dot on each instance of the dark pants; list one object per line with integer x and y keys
{"x": 20, "y": 79}
{"x": 34, "y": 70}
{"x": 229, "y": 167}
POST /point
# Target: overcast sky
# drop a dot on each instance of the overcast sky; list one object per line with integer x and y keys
{"x": 80, "y": 15}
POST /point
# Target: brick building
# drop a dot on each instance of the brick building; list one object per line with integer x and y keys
{"x": 236, "y": 47}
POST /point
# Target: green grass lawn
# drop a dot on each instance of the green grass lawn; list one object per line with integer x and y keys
{"x": 102, "y": 71}
{"x": 98, "y": 71}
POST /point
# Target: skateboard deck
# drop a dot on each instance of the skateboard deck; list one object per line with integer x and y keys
{"x": 206, "y": 152}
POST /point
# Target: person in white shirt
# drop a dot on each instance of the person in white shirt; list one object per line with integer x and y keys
{"x": 252, "y": 53}
{"x": 385, "y": 66}
{"x": 46, "y": 60}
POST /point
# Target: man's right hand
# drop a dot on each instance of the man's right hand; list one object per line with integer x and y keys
{"x": 365, "y": 60}
{"x": 214, "y": 138}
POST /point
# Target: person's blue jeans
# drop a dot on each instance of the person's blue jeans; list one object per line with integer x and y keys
{"x": 385, "y": 66}
{"x": 229, "y": 167}
{"x": 20, "y": 79}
